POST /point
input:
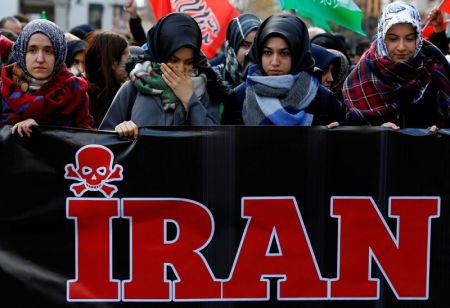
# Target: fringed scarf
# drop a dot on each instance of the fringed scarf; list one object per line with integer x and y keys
{"x": 278, "y": 100}
{"x": 378, "y": 88}
{"x": 62, "y": 101}
{"x": 147, "y": 78}
{"x": 232, "y": 65}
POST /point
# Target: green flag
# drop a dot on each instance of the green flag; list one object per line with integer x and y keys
{"x": 341, "y": 12}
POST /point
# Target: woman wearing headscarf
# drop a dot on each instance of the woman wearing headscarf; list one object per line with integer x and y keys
{"x": 281, "y": 88}
{"x": 343, "y": 71}
{"x": 331, "y": 41}
{"x": 38, "y": 88}
{"x": 327, "y": 65}
{"x": 169, "y": 89}
{"x": 402, "y": 80}
{"x": 241, "y": 33}
{"x": 75, "y": 57}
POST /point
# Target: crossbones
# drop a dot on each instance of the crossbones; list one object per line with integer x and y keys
{"x": 94, "y": 170}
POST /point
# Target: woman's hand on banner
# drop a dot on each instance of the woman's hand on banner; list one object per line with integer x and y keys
{"x": 333, "y": 125}
{"x": 24, "y": 127}
{"x": 433, "y": 129}
{"x": 127, "y": 129}
{"x": 391, "y": 125}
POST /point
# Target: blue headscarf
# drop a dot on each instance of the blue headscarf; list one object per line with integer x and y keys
{"x": 49, "y": 29}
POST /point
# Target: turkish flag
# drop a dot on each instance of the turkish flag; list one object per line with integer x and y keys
{"x": 212, "y": 17}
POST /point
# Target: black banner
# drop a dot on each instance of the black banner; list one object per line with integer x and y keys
{"x": 286, "y": 216}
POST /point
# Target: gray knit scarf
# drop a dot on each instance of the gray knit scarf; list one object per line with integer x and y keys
{"x": 278, "y": 100}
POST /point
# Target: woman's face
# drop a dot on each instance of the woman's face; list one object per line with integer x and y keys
{"x": 119, "y": 68}
{"x": 401, "y": 42}
{"x": 327, "y": 76}
{"x": 77, "y": 67}
{"x": 182, "y": 60}
{"x": 276, "y": 57}
{"x": 40, "y": 56}
{"x": 245, "y": 47}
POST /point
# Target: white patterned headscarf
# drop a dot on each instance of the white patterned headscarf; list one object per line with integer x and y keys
{"x": 398, "y": 13}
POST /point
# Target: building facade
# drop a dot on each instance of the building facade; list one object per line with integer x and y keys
{"x": 102, "y": 14}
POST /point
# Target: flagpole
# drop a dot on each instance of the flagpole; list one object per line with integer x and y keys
{"x": 437, "y": 7}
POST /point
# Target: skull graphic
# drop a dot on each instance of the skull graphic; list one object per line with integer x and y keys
{"x": 94, "y": 169}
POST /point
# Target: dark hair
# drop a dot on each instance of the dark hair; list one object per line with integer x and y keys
{"x": 8, "y": 34}
{"x": 103, "y": 48}
{"x": 82, "y": 31}
{"x": 8, "y": 18}
{"x": 361, "y": 47}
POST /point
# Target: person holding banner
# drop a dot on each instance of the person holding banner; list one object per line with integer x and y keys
{"x": 38, "y": 88}
{"x": 403, "y": 80}
{"x": 171, "y": 87}
{"x": 281, "y": 88}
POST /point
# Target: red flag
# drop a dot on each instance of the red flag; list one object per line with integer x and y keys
{"x": 428, "y": 30}
{"x": 212, "y": 16}
{"x": 446, "y": 6}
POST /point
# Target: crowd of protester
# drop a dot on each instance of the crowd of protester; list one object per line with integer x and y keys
{"x": 271, "y": 72}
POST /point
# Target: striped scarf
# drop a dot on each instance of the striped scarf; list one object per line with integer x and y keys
{"x": 378, "y": 89}
{"x": 147, "y": 78}
{"x": 278, "y": 100}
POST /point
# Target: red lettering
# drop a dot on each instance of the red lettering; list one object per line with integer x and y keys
{"x": 294, "y": 263}
{"x": 93, "y": 267}
{"x": 152, "y": 251}
{"x": 364, "y": 234}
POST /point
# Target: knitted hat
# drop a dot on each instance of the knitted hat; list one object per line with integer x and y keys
{"x": 49, "y": 29}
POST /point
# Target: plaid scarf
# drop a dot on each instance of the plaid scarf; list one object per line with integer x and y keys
{"x": 278, "y": 100}
{"x": 378, "y": 89}
{"x": 62, "y": 101}
{"x": 147, "y": 78}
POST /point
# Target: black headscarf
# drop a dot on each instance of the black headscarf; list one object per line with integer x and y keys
{"x": 74, "y": 47}
{"x": 170, "y": 33}
{"x": 294, "y": 31}
{"x": 330, "y": 41}
{"x": 240, "y": 27}
{"x": 324, "y": 58}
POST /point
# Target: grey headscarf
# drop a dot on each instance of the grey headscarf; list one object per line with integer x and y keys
{"x": 49, "y": 29}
